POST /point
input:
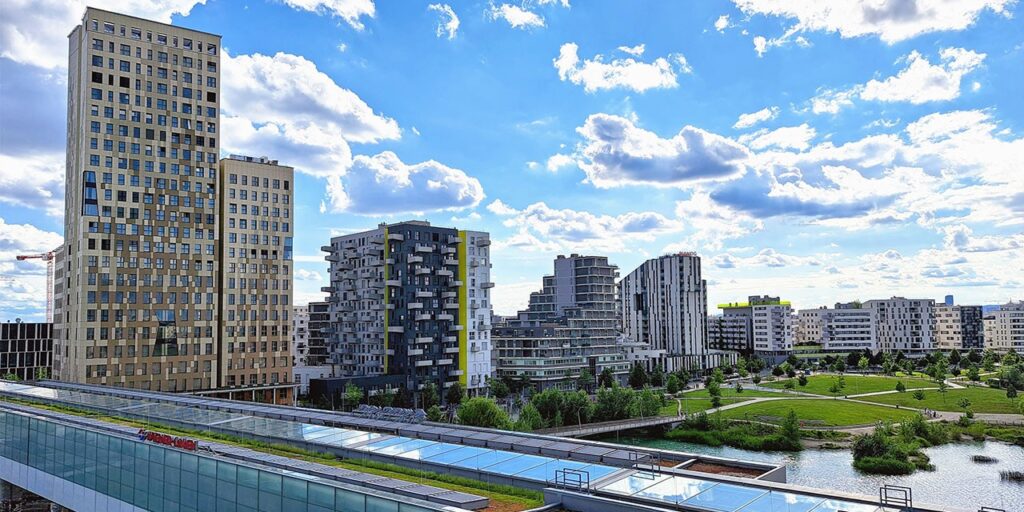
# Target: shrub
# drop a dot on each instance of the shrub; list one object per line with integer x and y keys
{"x": 884, "y": 466}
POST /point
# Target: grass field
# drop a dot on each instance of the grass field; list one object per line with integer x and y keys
{"x": 730, "y": 392}
{"x": 855, "y": 384}
{"x": 818, "y": 412}
{"x": 695, "y": 405}
{"x": 982, "y": 400}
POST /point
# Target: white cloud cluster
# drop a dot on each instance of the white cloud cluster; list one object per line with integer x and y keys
{"x": 383, "y": 184}
{"x": 722, "y": 23}
{"x": 890, "y": 20}
{"x": 787, "y": 137}
{"x": 25, "y": 294}
{"x": 33, "y": 181}
{"x": 628, "y": 73}
{"x": 516, "y": 16}
{"x": 448, "y": 21}
{"x": 351, "y": 11}
{"x": 615, "y": 152}
{"x": 962, "y": 238}
{"x": 711, "y": 223}
{"x": 542, "y": 228}
{"x": 753, "y": 118}
{"x": 284, "y": 106}
{"x": 919, "y": 82}
{"x": 766, "y": 257}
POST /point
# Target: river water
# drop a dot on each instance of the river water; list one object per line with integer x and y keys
{"x": 956, "y": 481}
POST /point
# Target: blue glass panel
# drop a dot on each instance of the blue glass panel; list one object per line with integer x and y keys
{"x": 782, "y": 502}
{"x": 372, "y": 447}
{"x": 517, "y": 464}
{"x": 428, "y": 451}
{"x": 484, "y": 459}
{"x": 598, "y": 471}
{"x": 337, "y": 438}
{"x": 360, "y": 438}
{"x": 675, "y": 489}
{"x": 725, "y": 497}
{"x": 634, "y": 483}
{"x": 844, "y": 506}
{"x": 546, "y": 471}
{"x": 413, "y": 444}
{"x": 453, "y": 456}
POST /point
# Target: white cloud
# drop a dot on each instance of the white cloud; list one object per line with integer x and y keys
{"x": 711, "y": 223}
{"x": 722, "y": 23}
{"x": 832, "y": 101}
{"x": 24, "y": 295}
{"x": 890, "y": 20}
{"x": 753, "y": 118}
{"x": 921, "y": 82}
{"x": 516, "y": 16}
{"x": 635, "y": 51}
{"x": 448, "y": 22}
{"x": 766, "y": 257}
{"x": 976, "y": 86}
{"x": 33, "y": 181}
{"x": 352, "y": 11}
{"x": 615, "y": 152}
{"x": 539, "y": 227}
{"x": 558, "y": 161}
{"x": 284, "y": 106}
{"x": 383, "y": 184}
{"x": 788, "y": 137}
{"x": 961, "y": 238}
{"x": 35, "y": 32}
{"x": 595, "y": 74}
{"x": 499, "y": 207}
{"x": 760, "y": 45}
{"x": 308, "y": 275}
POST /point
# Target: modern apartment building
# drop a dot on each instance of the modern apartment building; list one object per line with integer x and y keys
{"x": 142, "y": 270}
{"x": 1004, "y": 328}
{"x": 300, "y": 335}
{"x": 256, "y": 233}
{"x": 309, "y": 346}
{"x": 763, "y": 326}
{"x": 848, "y": 327}
{"x": 26, "y": 349}
{"x": 807, "y": 328}
{"x": 904, "y": 325}
{"x": 411, "y": 306}
{"x": 958, "y": 327}
{"x": 570, "y": 325}
{"x": 663, "y": 308}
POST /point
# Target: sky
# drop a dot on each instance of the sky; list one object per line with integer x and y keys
{"x": 818, "y": 151}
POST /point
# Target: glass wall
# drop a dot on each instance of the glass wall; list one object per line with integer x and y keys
{"x": 163, "y": 479}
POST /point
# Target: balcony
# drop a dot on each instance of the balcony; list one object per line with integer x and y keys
{"x": 415, "y": 305}
{"x": 327, "y": 289}
{"x": 487, "y": 285}
{"x": 423, "y": 248}
{"x": 448, "y": 250}
{"x": 398, "y": 237}
{"x": 421, "y": 270}
{"x": 457, "y": 373}
{"x": 424, "y": 339}
{"x": 393, "y": 282}
{"x": 454, "y": 283}
{"x": 449, "y": 295}
{"x": 424, "y": 294}
{"x": 451, "y": 350}
{"x": 425, "y": 362}
{"x": 455, "y": 327}
{"x": 483, "y": 242}
{"x": 396, "y": 328}
{"x": 422, "y": 317}
{"x": 415, "y": 351}
{"x": 444, "y": 362}
{"x": 445, "y": 317}
{"x": 451, "y": 261}
{"x": 450, "y": 339}
{"x": 333, "y": 257}
{"x": 451, "y": 305}
{"x": 444, "y": 273}
{"x": 413, "y": 258}
{"x": 326, "y": 248}
{"x": 473, "y": 347}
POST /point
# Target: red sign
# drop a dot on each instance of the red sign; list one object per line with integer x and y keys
{"x": 168, "y": 440}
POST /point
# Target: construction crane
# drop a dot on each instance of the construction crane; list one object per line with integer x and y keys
{"x": 48, "y": 258}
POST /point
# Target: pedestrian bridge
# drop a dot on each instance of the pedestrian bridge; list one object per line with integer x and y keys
{"x": 609, "y": 427}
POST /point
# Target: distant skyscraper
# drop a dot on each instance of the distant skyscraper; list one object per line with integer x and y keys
{"x": 570, "y": 325}
{"x": 410, "y": 306}
{"x": 664, "y": 310}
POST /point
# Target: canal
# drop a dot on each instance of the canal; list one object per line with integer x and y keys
{"x": 956, "y": 481}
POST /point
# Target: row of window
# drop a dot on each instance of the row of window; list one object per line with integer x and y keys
{"x": 144, "y": 333}
{"x": 125, "y": 82}
{"x": 149, "y": 165}
{"x": 136, "y": 34}
{"x": 134, "y": 262}
{"x": 124, "y": 98}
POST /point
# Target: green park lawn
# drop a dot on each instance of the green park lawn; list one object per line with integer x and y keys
{"x": 818, "y": 412}
{"x": 986, "y": 400}
{"x": 730, "y": 392}
{"x": 692, "y": 405}
{"x": 855, "y": 384}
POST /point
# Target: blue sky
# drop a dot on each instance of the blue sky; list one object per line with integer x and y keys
{"x": 819, "y": 152}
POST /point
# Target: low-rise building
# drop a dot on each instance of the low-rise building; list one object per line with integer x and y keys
{"x": 26, "y": 349}
{"x": 762, "y": 326}
{"x": 1004, "y": 328}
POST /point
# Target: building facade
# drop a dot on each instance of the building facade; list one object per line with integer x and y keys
{"x": 904, "y": 325}
{"x": 410, "y": 305}
{"x": 663, "y": 308}
{"x": 256, "y": 272}
{"x": 958, "y": 327}
{"x": 140, "y": 278}
{"x": 807, "y": 329}
{"x": 763, "y": 326}
{"x": 571, "y": 324}
{"x": 848, "y": 327}
{"x": 26, "y": 349}
{"x": 1004, "y": 328}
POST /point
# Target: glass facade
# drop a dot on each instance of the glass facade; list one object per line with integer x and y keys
{"x": 163, "y": 479}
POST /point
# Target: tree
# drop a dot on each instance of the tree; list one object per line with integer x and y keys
{"x": 840, "y": 366}
{"x": 756, "y": 379}
{"x": 606, "y": 379}
{"x": 715, "y": 391}
{"x": 482, "y": 412}
{"x": 964, "y": 404}
{"x": 790, "y": 428}
{"x": 353, "y": 395}
{"x": 792, "y": 360}
{"x": 835, "y": 389}
{"x": 718, "y": 375}
{"x": 955, "y": 357}
{"x": 429, "y": 395}
{"x": 853, "y": 358}
{"x": 778, "y": 371}
{"x": 658, "y": 377}
{"x": 645, "y": 404}
{"x": 973, "y": 374}
{"x": 529, "y": 419}
{"x": 802, "y": 380}
{"x": 672, "y": 386}
{"x": 637, "y": 376}
{"x": 403, "y": 398}
{"x": 548, "y": 403}
{"x": 1011, "y": 391}
{"x": 739, "y": 387}
{"x": 434, "y": 413}
{"x": 585, "y": 381}
{"x": 613, "y": 403}
{"x": 789, "y": 384}
{"x": 918, "y": 395}
{"x": 943, "y": 388}
{"x": 454, "y": 394}
{"x": 901, "y": 387}
{"x": 862, "y": 364}
{"x": 974, "y": 356}
{"x": 576, "y": 407}
{"x": 790, "y": 372}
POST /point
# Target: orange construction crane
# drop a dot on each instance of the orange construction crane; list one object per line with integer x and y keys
{"x": 48, "y": 258}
